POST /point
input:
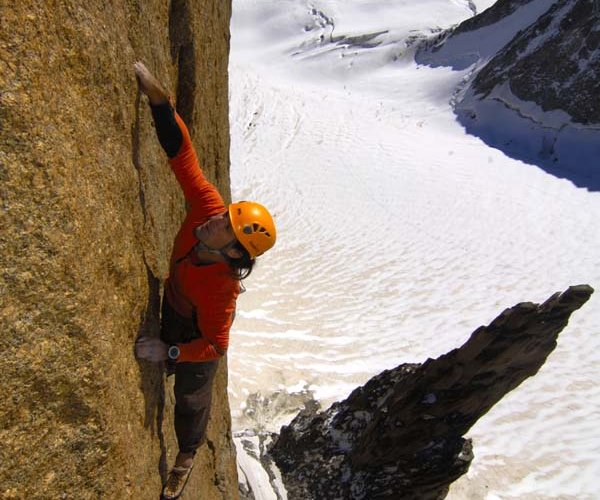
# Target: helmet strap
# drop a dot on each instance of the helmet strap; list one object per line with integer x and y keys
{"x": 200, "y": 246}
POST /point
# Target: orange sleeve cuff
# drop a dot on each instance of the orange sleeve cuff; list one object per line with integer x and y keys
{"x": 197, "y": 351}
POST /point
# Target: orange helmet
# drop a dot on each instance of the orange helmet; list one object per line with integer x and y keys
{"x": 253, "y": 227}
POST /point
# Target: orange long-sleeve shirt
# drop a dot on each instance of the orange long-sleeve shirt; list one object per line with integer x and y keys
{"x": 210, "y": 289}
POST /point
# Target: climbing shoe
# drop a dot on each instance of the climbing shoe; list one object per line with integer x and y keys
{"x": 178, "y": 478}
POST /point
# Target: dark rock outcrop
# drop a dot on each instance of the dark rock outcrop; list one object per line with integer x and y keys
{"x": 400, "y": 436}
{"x": 479, "y": 38}
{"x": 495, "y": 13}
{"x": 88, "y": 212}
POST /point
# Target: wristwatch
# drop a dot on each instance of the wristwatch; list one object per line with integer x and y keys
{"x": 173, "y": 352}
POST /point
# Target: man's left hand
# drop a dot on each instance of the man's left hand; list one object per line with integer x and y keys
{"x": 151, "y": 349}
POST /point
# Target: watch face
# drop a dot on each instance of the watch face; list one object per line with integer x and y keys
{"x": 173, "y": 352}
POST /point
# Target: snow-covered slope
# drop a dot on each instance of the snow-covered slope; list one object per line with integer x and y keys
{"x": 399, "y": 233}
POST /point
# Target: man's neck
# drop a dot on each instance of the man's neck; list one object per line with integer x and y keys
{"x": 207, "y": 258}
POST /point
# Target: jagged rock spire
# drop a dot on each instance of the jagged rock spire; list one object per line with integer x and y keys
{"x": 400, "y": 435}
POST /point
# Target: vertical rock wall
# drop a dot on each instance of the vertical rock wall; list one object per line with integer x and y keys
{"x": 88, "y": 212}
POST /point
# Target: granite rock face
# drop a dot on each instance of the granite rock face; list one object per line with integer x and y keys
{"x": 400, "y": 436}
{"x": 89, "y": 210}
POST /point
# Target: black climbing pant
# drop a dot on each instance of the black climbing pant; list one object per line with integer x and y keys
{"x": 193, "y": 382}
{"x": 193, "y": 396}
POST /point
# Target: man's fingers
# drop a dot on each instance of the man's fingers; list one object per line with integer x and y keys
{"x": 139, "y": 67}
{"x": 142, "y": 347}
{"x": 142, "y": 75}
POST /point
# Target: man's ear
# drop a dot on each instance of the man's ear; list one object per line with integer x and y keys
{"x": 234, "y": 253}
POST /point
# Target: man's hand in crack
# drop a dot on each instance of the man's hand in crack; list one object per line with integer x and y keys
{"x": 149, "y": 85}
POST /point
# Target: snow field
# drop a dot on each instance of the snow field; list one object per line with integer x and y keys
{"x": 398, "y": 235}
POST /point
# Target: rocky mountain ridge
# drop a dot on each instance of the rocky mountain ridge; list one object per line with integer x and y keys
{"x": 533, "y": 85}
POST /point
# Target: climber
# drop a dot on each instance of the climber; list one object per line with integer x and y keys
{"x": 215, "y": 249}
